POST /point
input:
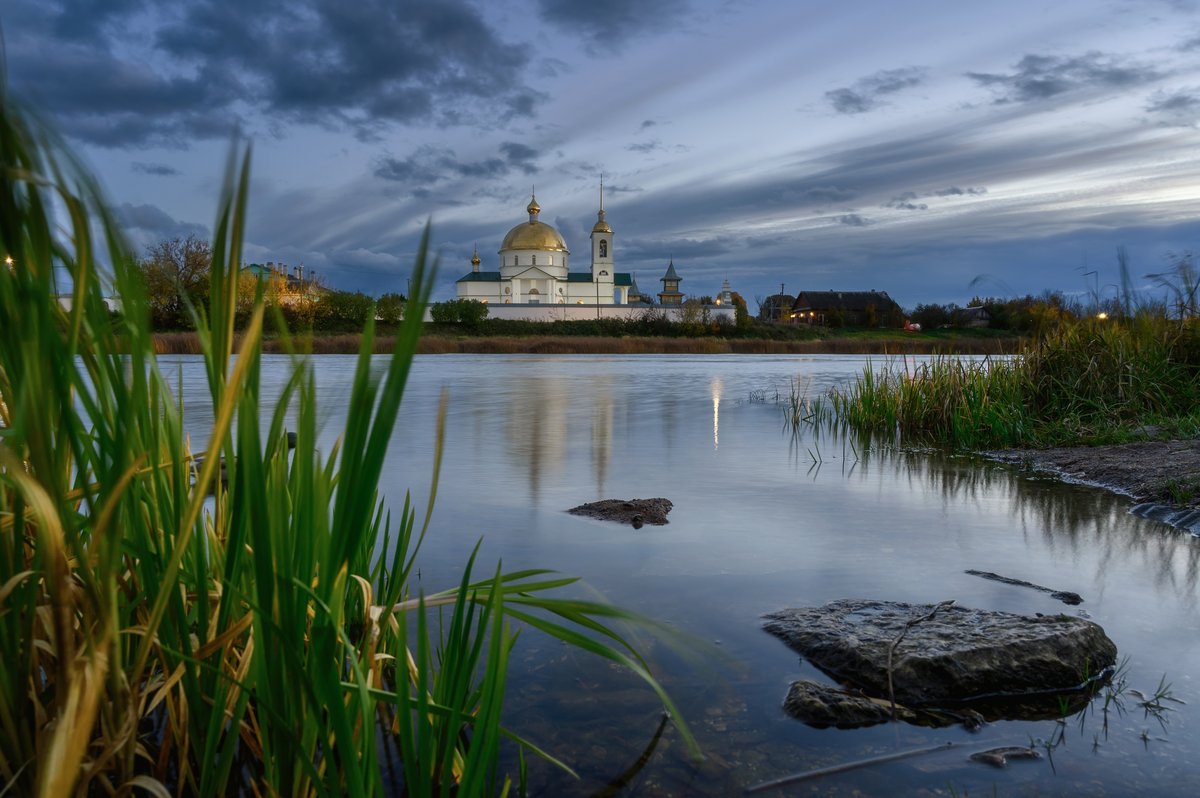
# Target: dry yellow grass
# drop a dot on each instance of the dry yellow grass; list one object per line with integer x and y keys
{"x": 187, "y": 343}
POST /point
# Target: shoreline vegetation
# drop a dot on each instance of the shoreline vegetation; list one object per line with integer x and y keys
{"x": 954, "y": 342}
{"x": 1112, "y": 401}
{"x": 246, "y": 617}
{"x": 1086, "y": 381}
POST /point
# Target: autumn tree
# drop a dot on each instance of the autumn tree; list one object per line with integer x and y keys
{"x": 389, "y": 308}
{"x": 176, "y": 273}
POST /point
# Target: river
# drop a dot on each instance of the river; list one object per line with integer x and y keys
{"x": 765, "y": 520}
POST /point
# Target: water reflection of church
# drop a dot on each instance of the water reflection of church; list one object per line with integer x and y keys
{"x": 544, "y": 430}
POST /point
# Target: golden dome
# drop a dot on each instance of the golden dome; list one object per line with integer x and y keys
{"x": 601, "y": 225}
{"x": 534, "y": 234}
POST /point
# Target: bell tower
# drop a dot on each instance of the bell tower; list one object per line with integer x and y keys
{"x": 602, "y": 252}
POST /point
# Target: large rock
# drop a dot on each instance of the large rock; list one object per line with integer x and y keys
{"x": 632, "y": 511}
{"x": 958, "y": 656}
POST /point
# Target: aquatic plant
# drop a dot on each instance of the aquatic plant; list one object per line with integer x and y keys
{"x": 1093, "y": 380}
{"x": 242, "y": 619}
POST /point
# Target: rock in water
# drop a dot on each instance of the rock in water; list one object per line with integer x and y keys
{"x": 958, "y": 656}
{"x": 823, "y": 705}
{"x": 634, "y": 511}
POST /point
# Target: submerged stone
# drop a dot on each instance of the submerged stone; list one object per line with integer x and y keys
{"x": 823, "y": 705}
{"x": 945, "y": 656}
{"x": 633, "y": 511}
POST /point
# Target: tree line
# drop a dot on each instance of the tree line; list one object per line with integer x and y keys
{"x": 176, "y": 274}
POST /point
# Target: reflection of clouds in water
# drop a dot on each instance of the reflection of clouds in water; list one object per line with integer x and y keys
{"x": 1074, "y": 524}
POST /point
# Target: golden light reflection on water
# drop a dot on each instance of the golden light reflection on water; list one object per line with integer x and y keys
{"x": 716, "y": 387}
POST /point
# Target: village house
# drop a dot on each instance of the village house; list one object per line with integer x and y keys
{"x": 846, "y": 309}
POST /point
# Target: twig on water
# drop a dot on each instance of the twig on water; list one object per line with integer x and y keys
{"x": 858, "y": 763}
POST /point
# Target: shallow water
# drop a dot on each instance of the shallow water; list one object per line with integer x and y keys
{"x": 764, "y": 521}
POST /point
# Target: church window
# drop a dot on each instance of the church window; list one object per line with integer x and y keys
{"x": 533, "y": 260}
{"x": 603, "y": 273}
{"x": 603, "y": 248}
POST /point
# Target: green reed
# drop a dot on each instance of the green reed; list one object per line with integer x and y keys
{"x": 1090, "y": 381}
{"x": 239, "y": 618}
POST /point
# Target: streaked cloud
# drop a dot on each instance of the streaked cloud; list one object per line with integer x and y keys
{"x": 1040, "y": 77}
{"x": 870, "y": 92}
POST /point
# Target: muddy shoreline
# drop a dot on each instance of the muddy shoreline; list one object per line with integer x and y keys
{"x": 1162, "y": 472}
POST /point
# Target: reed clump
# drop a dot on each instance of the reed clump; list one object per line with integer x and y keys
{"x": 239, "y": 618}
{"x": 1088, "y": 381}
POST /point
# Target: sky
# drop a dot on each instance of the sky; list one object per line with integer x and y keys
{"x": 934, "y": 150}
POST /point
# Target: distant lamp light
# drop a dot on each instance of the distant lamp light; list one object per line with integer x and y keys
{"x": 8, "y": 261}
{"x": 1102, "y": 315}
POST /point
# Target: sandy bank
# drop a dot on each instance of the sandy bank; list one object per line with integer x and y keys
{"x": 1164, "y": 472}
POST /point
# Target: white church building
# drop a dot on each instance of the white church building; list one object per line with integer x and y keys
{"x": 535, "y": 269}
{"x": 535, "y": 280}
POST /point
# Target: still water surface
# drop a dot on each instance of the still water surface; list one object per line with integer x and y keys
{"x": 763, "y": 521}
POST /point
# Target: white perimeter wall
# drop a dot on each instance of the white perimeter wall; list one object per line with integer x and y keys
{"x": 585, "y": 312}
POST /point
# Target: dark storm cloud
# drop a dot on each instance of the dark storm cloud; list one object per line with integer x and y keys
{"x": 157, "y": 169}
{"x": 869, "y": 92}
{"x": 1038, "y": 77}
{"x": 615, "y": 189}
{"x": 852, "y": 220}
{"x": 644, "y": 147}
{"x": 654, "y": 249}
{"x": 359, "y": 66}
{"x": 150, "y": 224}
{"x": 906, "y": 202}
{"x": 647, "y": 124}
{"x": 520, "y": 156}
{"x": 430, "y": 165}
{"x": 909, "y": 200}
{"x": 955, "y": 191}
{"x": 825, "y": 194}
{"x": 1180, "y": 107}
{"x": 606, "y": 26}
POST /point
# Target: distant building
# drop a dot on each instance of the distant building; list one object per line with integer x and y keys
{"x": 636, "y": 297}
{"x": 535, "y": 268}
{"x": 726, "y": 295}
{"x": 290, "y": 284}
{"x": 776, "y": 307}
{"x": 535, "y": 282}
{"x": 974, "y": 316}
{"x": 670, "y": 295}
{"x": 845, "y": 308}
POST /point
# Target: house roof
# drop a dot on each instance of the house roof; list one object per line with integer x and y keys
{"x": 844, "y": 300}
{"x": 671, "y": 273}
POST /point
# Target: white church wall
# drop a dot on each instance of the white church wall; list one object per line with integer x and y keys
{"x": 585, "y": 312}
